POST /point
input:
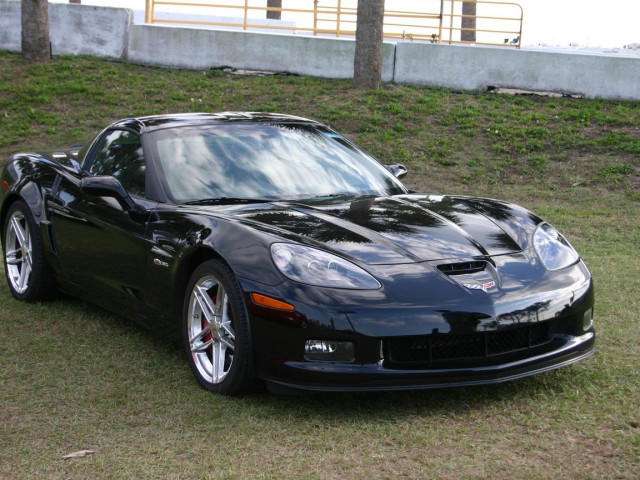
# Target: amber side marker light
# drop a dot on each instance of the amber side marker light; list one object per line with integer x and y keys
{"x": 6, "y": 185}
{"x": 269, "y": 302}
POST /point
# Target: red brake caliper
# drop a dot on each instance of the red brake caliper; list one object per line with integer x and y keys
{"x": 208, "y": 336}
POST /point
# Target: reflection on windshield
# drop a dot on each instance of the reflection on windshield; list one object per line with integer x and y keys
{"x": 266, "y": 161}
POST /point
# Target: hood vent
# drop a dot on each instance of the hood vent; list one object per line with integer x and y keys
{"x": 463, "y": 268}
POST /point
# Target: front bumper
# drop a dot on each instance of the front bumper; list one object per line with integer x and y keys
{"x": 324, "y": 377}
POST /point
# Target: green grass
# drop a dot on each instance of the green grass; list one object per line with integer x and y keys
{"x": 74, "y": 377}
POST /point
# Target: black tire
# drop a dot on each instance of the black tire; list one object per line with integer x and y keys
{"x": 218, "y": 356}
{"x": 28, "y": 274}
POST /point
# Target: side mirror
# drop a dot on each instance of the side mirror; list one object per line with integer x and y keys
{"x": 107, "y": 186}
{"x": 397, "y": 170}
{"x": 74, "y": 152}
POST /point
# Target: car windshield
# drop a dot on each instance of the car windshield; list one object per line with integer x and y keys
{"x": 272, "y": 161}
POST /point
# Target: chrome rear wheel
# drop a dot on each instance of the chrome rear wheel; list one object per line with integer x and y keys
{"x": 29, "y": 275}
{"x": 18, "y": 253}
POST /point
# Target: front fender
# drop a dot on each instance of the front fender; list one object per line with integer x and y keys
{"x": 179, "y": 240}
{"x": 245, "y": 249}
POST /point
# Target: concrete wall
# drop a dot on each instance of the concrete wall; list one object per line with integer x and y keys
{"x": 109, "y": 32}
{"x": 10, "y": 28}
{"x": 73, "y": 29}
{"x": 476, "y": 68}
{"x": 194, "y": 48}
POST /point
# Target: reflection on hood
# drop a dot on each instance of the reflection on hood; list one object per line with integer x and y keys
{"x": 390, "y": 230}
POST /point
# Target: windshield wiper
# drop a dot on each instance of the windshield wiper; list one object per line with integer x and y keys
{"x": 227, "y": 201}
{"x": 332, "y": 196}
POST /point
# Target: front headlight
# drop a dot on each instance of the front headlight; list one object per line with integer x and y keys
{"x": 316, "y": 267}
{"x": 553, "y": 249}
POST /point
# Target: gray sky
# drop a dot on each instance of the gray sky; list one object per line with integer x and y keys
{"x": 596, "y": 23}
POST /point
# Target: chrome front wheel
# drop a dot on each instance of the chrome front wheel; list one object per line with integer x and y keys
{"x": 216, "y": 330}
{"x": 210, "y": 330}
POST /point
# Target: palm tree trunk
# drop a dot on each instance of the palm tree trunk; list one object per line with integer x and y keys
{"x": 35, "y": 31}
{"x": 274, "y": 14}
{"x": 468, "y": 8}
{"x": 368, "y": 60}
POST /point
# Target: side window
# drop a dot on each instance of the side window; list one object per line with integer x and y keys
{"x": 119, "y": 153}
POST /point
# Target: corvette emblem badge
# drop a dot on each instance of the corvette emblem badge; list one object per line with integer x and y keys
{"x": 477, "y": 286}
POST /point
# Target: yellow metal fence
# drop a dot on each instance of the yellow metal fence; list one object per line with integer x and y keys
{"x": 440, "y": 21}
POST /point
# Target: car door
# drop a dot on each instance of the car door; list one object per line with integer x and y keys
{"x": 101, "y": 246}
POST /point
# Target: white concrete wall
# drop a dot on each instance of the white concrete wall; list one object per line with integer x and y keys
{"x": 10, "y": 28}
{"x": 88, "y": 30}
{"x": 476, "y": 68}
{"x": 196, "y": 48}
{"x": 73, "y": 29}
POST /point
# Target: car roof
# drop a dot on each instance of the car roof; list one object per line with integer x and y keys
{"x": 156, "y": 122}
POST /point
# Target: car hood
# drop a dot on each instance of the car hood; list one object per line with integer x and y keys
{"x": 391, "y": 230}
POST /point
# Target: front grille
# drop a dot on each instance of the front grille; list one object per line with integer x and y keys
{"x": 451, "y": 350}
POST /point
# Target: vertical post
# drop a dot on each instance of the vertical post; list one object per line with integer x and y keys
{"x": 246, "y": 13}
{"x": 441, "y": 20}
{"x": 315, "y": 17}
{"x": 520, "y": 37}
{"x": 148, "y": 15}
{"x": 451, "y": 22}
{"x": 338, "y": 20}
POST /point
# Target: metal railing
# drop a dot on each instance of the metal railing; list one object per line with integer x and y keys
{"x": 496, "y": 22}
{"x": 510, "y": 25}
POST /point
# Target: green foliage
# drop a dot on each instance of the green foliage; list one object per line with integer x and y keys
{"x": 617, "y": 169}
{"x": 538, "y": 161}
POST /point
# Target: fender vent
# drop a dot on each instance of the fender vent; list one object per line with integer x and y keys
{"x": 462, "y": 268}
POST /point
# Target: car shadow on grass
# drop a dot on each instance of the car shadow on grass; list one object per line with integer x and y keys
{"x": 430, "y": 403}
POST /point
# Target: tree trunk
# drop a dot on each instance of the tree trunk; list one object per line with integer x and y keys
{"x": 274, "y": 14}
{"x": 468, "y": 8}
{"x": 35, "y": 31}
{"x": 367, "y": 70}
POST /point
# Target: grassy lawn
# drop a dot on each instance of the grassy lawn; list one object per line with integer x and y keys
{"x": 74, "y": 377}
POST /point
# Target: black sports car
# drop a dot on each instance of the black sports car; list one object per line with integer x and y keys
{"x": 279, "y": 251}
